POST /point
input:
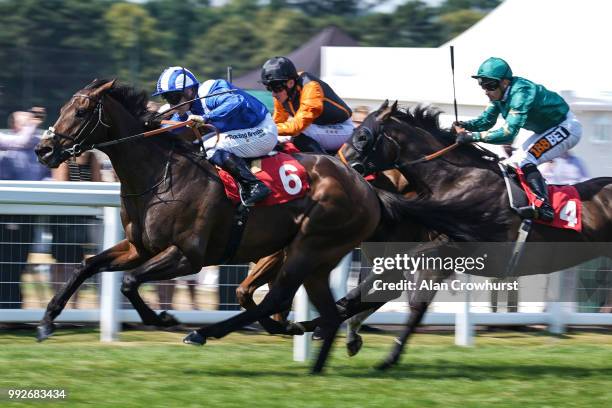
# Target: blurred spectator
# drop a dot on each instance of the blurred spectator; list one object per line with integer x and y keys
{"x": 230, "y": 277}
{"x": 17, "y": 158}
{"x": 74, "y": 236}
{"x": 166, "y": 290}
{"x": 565, "y": 169}
{"x": 359, "y": 114}
{"x": 17, "y": 162}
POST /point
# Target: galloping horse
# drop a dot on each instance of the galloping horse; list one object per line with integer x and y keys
{"x": 266, "y": 270}
{"x": 465, "y": 193}
{"x": 177, "y": 217}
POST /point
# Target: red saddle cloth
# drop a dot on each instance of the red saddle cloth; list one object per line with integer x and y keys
{"x": 282, "y": 173}
{"x": 565, "y": 200}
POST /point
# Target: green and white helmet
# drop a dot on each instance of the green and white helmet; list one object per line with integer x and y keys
{"x": 494, "y": 68}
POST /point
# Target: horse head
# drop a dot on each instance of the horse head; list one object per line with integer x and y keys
{"x": 366, "y": 151}
{"x": 83, "y": 122}
{"x": 389, "y": 136}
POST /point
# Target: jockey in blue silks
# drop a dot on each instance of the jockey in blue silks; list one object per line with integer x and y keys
{"x": 245, "y": 125}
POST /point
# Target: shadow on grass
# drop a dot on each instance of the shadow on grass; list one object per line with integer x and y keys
{"x": 442, "y": 370}
{"x": 450, "y": 370}
{"x": 63, "y": 330}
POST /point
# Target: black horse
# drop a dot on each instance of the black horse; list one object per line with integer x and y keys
{"x": 462, "y": 194}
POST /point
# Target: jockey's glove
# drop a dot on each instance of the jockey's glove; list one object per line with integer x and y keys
{"x": 456, "y": 124}
{"x": 197, "y": 120}
{"x": 468, "y": 137}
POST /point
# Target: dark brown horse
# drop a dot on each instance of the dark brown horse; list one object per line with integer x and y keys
{"x": 177, "y": 217}
{"x": 267, "y": 269}
{"x": 462, "y": 194}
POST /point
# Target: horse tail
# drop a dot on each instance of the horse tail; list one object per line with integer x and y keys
{"x": 439, "y": 218}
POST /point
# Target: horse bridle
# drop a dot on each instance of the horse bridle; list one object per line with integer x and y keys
{"x": 77, "y": 148}
{"x": 366, "y": 154}
{"x": 366, "y": 160}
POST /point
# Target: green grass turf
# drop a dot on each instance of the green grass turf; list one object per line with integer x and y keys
{"x": 153, "y": 369}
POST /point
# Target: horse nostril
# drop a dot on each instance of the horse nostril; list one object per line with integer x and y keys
{"x": 358, "y": 167}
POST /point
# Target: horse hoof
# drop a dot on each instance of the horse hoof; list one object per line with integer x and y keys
{"x": 295, "y": 329}
{"x": 195, "y": 339}
{"x": 385, "y": 365}
{"x": 44, "y": 331}
{"x": 317, "y": 334}
{"x": 353, "y": 346}
{"x": 167, "y": 320}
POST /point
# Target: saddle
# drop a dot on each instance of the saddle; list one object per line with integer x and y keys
{"x": 564, "y": 199}
{"x": 280, "y": 171}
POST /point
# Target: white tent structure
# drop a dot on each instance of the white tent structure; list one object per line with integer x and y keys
{"x": 562, "y": 44}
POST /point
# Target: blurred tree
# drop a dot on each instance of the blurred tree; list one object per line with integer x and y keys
{"x": 135, "y": 39}
{"x": 231, "y": 42}
{"x": 179, "y": 22}
{"x": 318, "y": 8}
{"x": 413, "y": 24}
{"x": 286, "y": 31}
{"x": 456, "y": 16}
{"x": 477, "y": 5}
{"x": 455, "y": 22}
{"x": 48, "y": 50}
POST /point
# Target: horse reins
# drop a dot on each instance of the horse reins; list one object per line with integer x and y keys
{"x": 77, "y": 148}
{"x": 395, "y": 163}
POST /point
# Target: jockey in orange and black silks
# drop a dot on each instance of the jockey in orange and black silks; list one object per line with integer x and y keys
{"x": 307, "y": 111}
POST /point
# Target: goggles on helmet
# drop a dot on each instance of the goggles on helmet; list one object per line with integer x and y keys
{"x": 488, "y": 84}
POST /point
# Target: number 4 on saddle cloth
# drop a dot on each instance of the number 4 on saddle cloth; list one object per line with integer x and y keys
{"x": 281, "y": 172}
{"x": 564, "y": 199}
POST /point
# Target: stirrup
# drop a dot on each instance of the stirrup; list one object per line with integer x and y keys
{"x": 252, "y": 203}
{"x": 546, "y": 212}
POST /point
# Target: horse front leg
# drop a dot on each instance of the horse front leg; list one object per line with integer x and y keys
{"x": 419, "y": 303}
{"x": 168, "y": 264}
{"x": 416, "y": 316}
{"x": 117, "y": 258}
{"x": 354, "y": 342}
{"x": 265, "y": 271}
{"x": 279, "y": 298}
{"x": 319, "y": 293}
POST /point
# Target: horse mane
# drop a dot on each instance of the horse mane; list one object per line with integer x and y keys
{"x": 427, "y": 117}
{"x": 133, "y": 100}
{"x": 136, "y": 103}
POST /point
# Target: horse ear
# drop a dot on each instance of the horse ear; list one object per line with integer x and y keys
{"x": 385, "y": 111}
{"x": 104, "y": 88}
{"x": 384, "y": 105}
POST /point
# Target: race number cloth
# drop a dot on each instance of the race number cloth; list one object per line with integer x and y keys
{"x": 282, "y": 173}
{"x": 566, "y": 202}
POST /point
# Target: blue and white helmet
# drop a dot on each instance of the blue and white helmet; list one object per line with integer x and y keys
{"x": 175, "y": 79}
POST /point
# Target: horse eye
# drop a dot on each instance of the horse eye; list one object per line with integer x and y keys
{"x": 81, "y": 112}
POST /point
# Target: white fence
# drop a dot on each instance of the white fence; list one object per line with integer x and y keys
{"x": 102, "y": 199}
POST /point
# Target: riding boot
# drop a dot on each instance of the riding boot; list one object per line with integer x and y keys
{"x": 307, "y": 144}
{"x": 252, "y": 190}
{"x": 538, "y": 185}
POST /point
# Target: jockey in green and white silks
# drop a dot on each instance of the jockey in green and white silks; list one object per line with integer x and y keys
{"x": 523, "y": 104}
